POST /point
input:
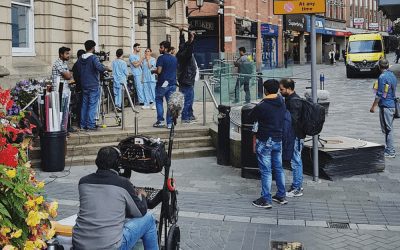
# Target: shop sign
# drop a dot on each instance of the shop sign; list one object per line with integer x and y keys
{"x": 319, "y": 24}
{"x": 335, "y": 25}
{"x": 358, "y": 21}
{"x": 246, "y": 28}
{"x": 204, "y": 26}
{"x": 296, "y": 22}
{"x": 285, "y": 7}
{"x": 269, "y": 29}
{"x": 373, "y": 26}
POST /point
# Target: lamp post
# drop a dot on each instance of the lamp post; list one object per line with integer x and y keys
{"x": 221, "y": 29}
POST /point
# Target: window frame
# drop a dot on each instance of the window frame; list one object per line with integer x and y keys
{"x": 30, "y": 50}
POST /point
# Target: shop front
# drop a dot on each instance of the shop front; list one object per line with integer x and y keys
{"x": 206, "y": 42}
{"x": 269, "y": 45}
{"x": 335, "y": 38}
{"x": 296, "y": 27}
{"x": 246, "y": 36}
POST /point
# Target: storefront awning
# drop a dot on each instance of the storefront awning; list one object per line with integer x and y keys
{"x": 337, "y": 32}
{"x": 390, "y": 8}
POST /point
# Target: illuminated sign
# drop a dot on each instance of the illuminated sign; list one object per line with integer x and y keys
{"x": 285, "y": 7}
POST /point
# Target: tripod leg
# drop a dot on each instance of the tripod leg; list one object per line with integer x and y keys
{"x": 129, "y": 98}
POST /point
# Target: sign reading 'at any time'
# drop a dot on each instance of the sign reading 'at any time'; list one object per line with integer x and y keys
{"x": 284, "y": 7}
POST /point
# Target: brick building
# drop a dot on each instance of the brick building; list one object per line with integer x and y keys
{"x": 247, "y": 23}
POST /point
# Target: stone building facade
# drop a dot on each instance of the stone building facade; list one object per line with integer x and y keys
{"x": 33, "y": 30}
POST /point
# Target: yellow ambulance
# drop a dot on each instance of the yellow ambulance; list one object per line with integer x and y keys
{"x": 363, "y": 53}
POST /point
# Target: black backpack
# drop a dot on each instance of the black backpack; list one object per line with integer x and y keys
{"x": 312, "y": 117}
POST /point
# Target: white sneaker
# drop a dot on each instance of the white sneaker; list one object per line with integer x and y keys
{"x": 153, "y": 107}
{"x": 146, "y": 107}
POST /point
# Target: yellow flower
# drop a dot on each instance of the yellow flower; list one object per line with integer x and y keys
{"x": 16, "y": 234}
{"x": 11, "y": 173}
{"x": 33, "y": 218}
{"x": 9, "y": 247}
{"x": 40, "y": 244}
{"x": 30, "y": 203}
{"x": 43, "y": 215}
{"x": 29, "y": 245}
{"x": 5, "y": 230}
{"x": 52, "y": 209}
{"x": 28, "y": 164}
{"x": 50, "y": 233}
{"x": 39, "y": 200}
{"x": 40, "y": 184}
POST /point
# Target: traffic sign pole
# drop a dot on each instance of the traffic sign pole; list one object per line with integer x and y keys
{"x": 314, "y": 93}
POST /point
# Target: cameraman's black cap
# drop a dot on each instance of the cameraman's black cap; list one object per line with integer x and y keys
{"x": 136, "y": 45}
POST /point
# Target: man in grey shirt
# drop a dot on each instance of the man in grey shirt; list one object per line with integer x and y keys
{"x": 112, "y": 214}
{"x": 244, "y": 70}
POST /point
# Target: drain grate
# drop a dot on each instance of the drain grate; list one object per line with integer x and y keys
{"x": 280, "y": 245}
{"x": 339, "y": 225}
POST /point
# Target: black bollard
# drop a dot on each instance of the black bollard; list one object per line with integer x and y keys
{"x": 223, "y": 149}
{"x": 248, "y": 157}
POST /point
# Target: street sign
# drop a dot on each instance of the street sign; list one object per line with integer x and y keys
{"x": 284, "y": 7}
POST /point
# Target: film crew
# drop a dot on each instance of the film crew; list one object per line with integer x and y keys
{"x": 149, "y": 79}
{"x": 121, "y": 221}
{"x": 120, "y": 75}
{"x": 89, "y": 68}
{"x": 135, "y": 62}
{"x": 385, "y": 99}
{"x": 61, "y": 72}
{"x": 78, "y": 88}
{"x": 187, "y": 72}
{"x": 242, "y": 80}
{"x": 166, "y": 82}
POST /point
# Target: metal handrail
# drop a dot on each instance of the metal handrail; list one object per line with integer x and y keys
{"x": 206, "y": 86}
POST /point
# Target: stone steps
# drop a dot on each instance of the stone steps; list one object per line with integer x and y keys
{"x": 189, "y": 142}
{"x": 188, "y": 153}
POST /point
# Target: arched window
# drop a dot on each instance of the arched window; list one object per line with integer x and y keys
{"x": 22, "y": 22}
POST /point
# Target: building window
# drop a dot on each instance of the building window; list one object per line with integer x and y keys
{"x": 22, "y": 28}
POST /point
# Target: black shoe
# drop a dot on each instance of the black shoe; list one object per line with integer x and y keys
{"x": 159, "y": 124}
{"x": 141, "y": 104}
{"x": 260, "y": 202}
{"x": 281, "y": 201}
{"x": 71, "y": 130}
{"x": 193, "y": 118}
{"x": 118, "y": 109}
{"x": 91, "y": 129}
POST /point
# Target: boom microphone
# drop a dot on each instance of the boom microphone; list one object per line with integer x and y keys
{"x": 175, "y": 105}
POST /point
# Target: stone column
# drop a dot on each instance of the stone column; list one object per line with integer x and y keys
{"x": 302, "y": 46}
{"x": 319, "y": 48}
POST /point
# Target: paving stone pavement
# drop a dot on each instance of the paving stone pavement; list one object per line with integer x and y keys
{"x": 215, "y": 202}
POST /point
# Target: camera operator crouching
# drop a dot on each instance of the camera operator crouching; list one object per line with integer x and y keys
{"x": 89, "y": 68}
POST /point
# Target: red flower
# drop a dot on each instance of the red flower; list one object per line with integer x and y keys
{"x": 3, "y": 142}
{"x": 9, "y": 156}
{"x": 4, "y": 96}
{"x": 9, "y": 104}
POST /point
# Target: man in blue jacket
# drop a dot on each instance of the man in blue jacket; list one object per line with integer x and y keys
{"x": 89, "y": 69}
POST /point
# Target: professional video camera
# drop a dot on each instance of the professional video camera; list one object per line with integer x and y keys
{"x": 142, "y": 154}
{"x": 102, "y": 55}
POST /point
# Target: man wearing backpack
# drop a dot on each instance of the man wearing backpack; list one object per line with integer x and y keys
{"x": 294, "y": 104}
{"x": 270, "y": 114}
{"x": 385, "y": 99}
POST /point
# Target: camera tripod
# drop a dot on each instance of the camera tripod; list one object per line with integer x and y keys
{"x": 105, "y": 91}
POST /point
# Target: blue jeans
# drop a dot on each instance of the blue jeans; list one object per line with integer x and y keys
{"x": 148, "y": 89}
{"x": 386, "y": 117}
{"x": 297, "y": 164}
{"x": 139, "y": 88}
{"x": 89, "y": 107}
{"x": 140, "y": 228}
{"x": 117, "y": 94}
{"x": 269, "y": 155}
{"x": 160, "y": 94}
{"x": 188, "y": 92}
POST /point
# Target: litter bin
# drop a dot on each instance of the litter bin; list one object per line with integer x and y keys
{"x": 52, "y": 151}
{"x": 248, "y": 157}
{"x": 223, "y": 147}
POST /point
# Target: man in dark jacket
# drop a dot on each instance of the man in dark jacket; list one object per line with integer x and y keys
{"x": 88, "y": 71}
{"x": 78, "y": 88}
{"x": 187, "y": 70}
{"x": 269, "y": 115}
{"x": 112, "y": 213}
{"x": 294, "y": 105}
